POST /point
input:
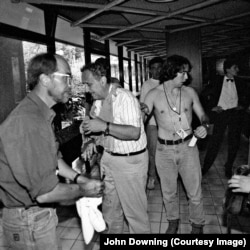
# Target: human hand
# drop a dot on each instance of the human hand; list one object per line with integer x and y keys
{"x": 240, "y": 183}
{"x": 88, "y": 150}
{"x": 200, "y": 132}
{"x": 93, "y": 125}
{"x": 144, "y": 108}
{"x": 217, "y": 109}
{"x": 81, "y": 128}
{"x": 91, "y": 188}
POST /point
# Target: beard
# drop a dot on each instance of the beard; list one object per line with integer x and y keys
{"x": 59, "y": 97}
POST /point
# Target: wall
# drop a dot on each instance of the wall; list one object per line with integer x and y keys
{"x": 12, "y": 76}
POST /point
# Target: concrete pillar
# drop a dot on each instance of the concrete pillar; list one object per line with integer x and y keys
{"x": 188, "y": 44}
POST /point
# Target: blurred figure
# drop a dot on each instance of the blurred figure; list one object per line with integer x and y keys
{"x": 30, "y": 161}
{"x": 228, "y": 103}
{"x": 240, "y": 181}
{"x": 155, "y": 66}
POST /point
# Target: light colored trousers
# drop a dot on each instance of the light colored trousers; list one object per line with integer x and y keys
{"x": 124, "y": 193}
{"x": 172, "y": 160}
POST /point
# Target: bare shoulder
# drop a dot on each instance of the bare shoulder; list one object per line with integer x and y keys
{"x": 155, "y": 91}
{"x": 189, "y": 91}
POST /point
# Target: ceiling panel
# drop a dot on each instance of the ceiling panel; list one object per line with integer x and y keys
{"x": 224, "y": 24}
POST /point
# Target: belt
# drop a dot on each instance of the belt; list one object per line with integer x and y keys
{"x": 176, "y": 142}
{"x": 128, "y": 154}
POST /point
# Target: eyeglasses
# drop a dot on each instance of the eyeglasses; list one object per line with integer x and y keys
{"x": 68, "y": 76}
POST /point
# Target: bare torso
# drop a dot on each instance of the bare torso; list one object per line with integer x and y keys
{"x": 173, "y": 111}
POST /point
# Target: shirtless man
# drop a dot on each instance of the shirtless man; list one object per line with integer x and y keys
{"x": 172, "y": 104}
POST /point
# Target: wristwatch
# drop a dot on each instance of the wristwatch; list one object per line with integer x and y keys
{"x": 106, "y": 132}
{"x": 205, "y": 125}
{"x": 76, "y": 177}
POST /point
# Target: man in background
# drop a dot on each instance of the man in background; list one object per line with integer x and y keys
{"x": 155, "y": 66}
{"x": 228, "y": 101}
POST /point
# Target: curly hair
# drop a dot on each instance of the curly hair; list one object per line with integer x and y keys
{"x": 44, "y": 63}
{"x": 97, "y": 69}
{"x": 172, "y": 66}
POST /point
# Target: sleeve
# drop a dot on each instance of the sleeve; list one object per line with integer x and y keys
{"x": 33, "y": 161}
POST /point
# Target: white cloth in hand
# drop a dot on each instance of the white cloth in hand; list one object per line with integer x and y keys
{"x": 91, "y": 217}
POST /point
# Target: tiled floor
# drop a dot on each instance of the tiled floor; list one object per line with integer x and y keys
{"x": 214, "y": 185}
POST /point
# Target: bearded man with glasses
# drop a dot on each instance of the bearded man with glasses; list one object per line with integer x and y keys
{"x": 30, "y": 162}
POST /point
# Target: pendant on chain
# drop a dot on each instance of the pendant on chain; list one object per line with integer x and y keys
{"x": 174, "y": 108}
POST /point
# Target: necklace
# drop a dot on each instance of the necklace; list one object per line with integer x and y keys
{"x": 173, "y": 107}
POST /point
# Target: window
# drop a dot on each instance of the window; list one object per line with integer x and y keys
{"x": 113, "y": 48}
{"x": 126, "y": 74}
{"x": 65, "y": 32}
{"x": 114, "y": 66}
{"x": 22, "y": 15}
{"x": 133, "y": 77}
{"x": 94, "y": 57}
{"x": 76, "y": 59}
{"x": 139, "y": 75}
{"x": 29, "y": 51}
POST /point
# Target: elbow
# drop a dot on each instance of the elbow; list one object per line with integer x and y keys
{"x": 41, "y": 198}
{"x": 136, "y": 134}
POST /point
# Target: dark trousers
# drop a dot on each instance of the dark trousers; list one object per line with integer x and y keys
{"x": 231, "y": 119}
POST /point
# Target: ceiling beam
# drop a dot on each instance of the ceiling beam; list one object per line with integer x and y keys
{"x": 203, "y": 20}
{"x": 219, "y": 31}
{"x": 210, "y": 23}
{"x": 116, "y": 8}
{"x": 98, "y": 11}
{"x": 143, "y": 38}
{"x": 105, "y": 26}
{"x": 128, "y": 42}
{"x": 146, "y": 46}
{"x": 89, "y": 6}
{"x": 159, "y": 18}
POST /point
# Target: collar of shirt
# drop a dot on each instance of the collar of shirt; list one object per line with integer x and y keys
{"x": 227, "y": 78}
{"x": 48, "y": 113}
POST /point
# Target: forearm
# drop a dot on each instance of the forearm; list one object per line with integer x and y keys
{"x": 65, "y": 170}
{"x": 204, "y": 119}
{"x": 62, "y": 192}
{"x": 124, "y": 132}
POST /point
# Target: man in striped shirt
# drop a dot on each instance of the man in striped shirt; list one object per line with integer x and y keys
{"x": 116, "y": 116}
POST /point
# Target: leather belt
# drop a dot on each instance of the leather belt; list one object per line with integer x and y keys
{"x": 176, "y": 142}
{"x": 128, "y": 154}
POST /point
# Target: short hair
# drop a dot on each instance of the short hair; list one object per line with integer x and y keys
{"x": 102, "y": 61}
{"x": 114, "y": 80}
{"x": 98, "y": 70}
{"x": 172, "y": 66}
{"x": 44, "y": 63}
{"x": 228, "y": 63}
{"x": 155, "y": 60}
